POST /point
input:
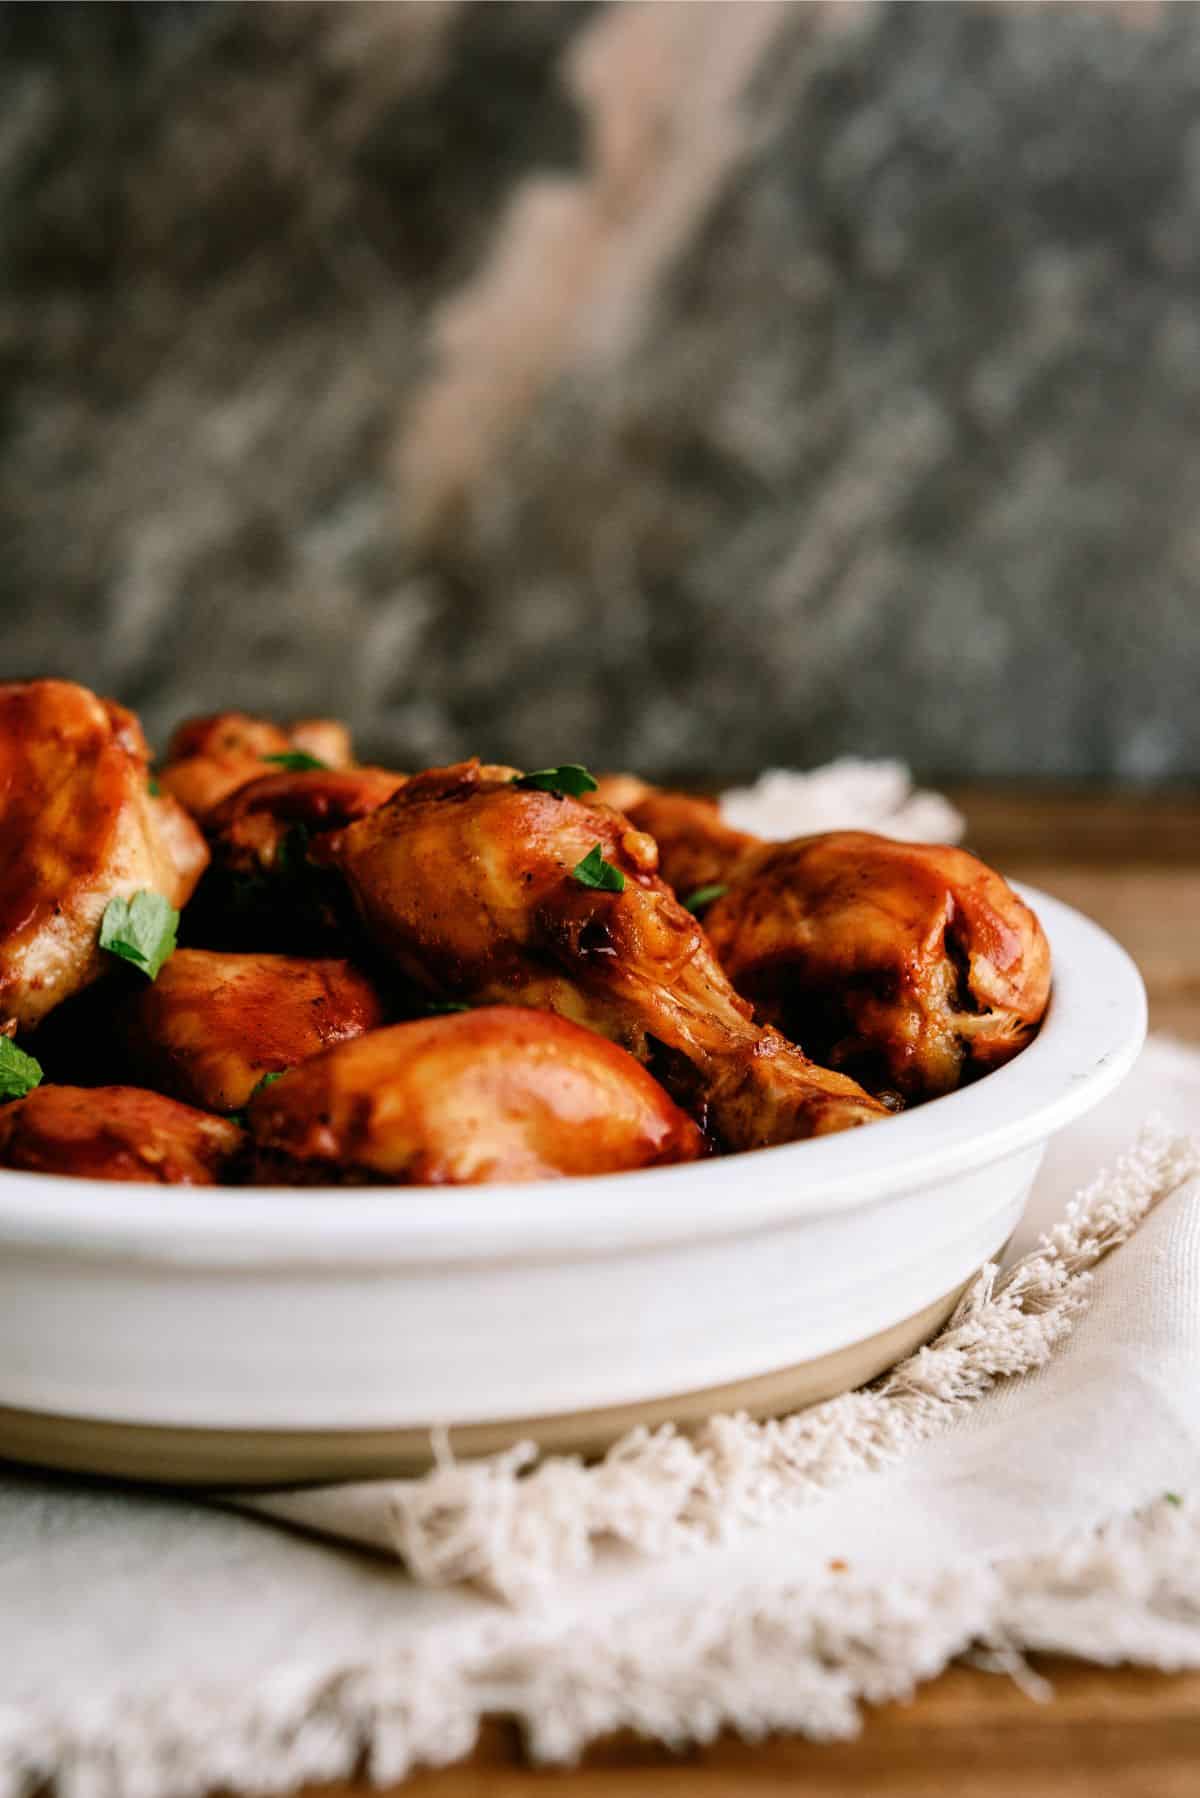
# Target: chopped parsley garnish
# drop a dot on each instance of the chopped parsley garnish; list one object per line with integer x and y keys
{"x": 703, "y": 896}
{"x": 140, "y": 930}
{"x": 297, "y": 761}
{"x": 1172, "y": 1498}
{"x": 152, "y": 787}
{"x": 571, "y": 778}
{"x": 267, "y": 1080}
{"x": 594, "y": 871}
{"x": 19, "y": 1073}
{"x": 438, "y": 1008}
{"x": 239, "y": 1117}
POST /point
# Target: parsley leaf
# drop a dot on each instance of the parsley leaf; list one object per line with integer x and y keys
{"x": 19, "y": 1073}
{"x": 296, "y": 761}
{"x": 152, "y": 787}
{"x": 571, "y": 778}
{"x": 267, "y": 1080}
{"x": 1172, "y": 1498}
{"x": 140, "y": 930}
{"x": 438, "y": 1008}
{"x": 695, "y": 902}
{"x": 594, "y": 871}
{"x": 239, "y": 1117}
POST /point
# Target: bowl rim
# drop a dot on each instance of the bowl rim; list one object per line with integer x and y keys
{"x": 1093, "y": 1031}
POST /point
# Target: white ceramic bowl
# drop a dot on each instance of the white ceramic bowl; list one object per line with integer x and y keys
{"x": 270, "y": 1334}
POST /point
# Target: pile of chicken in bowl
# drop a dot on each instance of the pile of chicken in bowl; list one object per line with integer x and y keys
{"x": 265, "y": 964}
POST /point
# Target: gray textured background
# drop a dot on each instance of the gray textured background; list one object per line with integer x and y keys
{"x": 686, "y": 387}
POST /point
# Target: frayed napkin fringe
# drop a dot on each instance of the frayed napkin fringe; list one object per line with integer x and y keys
{"x": 793, "y": 1658}
{"x": 798, "y": 1660}
{"x": 513, "y": 1524}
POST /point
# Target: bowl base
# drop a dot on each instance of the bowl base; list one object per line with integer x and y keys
{"x": 166, "y": 1454}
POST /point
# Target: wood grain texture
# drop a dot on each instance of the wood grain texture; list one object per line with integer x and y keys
{"x": 1134, "y": 865}
{"x": 1131, "y": 863}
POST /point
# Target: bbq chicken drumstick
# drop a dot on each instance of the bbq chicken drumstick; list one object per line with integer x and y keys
{"x": 696, "y": 848}
{"x": 481, "y": 889}
{"x": 493, "y": 1094}
{"x": 913, "y": 966}
{"x": 79, "y": 826}
{"x": 116, "y": 1133}
{"x": 209, "y": 758}
{"x": 261, "y": 888}
{"x": 212, "y": 1026}
{"x": 249, "y": 830}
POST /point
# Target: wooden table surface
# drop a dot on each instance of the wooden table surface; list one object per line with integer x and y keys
{"x": 1134, "y": 865}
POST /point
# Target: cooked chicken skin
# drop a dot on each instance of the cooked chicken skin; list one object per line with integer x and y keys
{"x": 227, "y": 734}
{"x": 620, "y": 791}
{"x": 494, "y": 1094}
{"x": 209, "y": 758}
{"x": 323, "y": 738}
{"x": 78, "y": 827}
{"x": 212, "y": 1025}
{"x": 912, "y": 966}
{"x": 465, "y": 882}
{"x": 696, "y": 848}
{"x": 249, "y": 826}
{"x": 115, "y": 1133}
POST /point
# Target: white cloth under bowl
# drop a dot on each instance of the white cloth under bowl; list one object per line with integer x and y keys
{"x": 1030, "y": 1480}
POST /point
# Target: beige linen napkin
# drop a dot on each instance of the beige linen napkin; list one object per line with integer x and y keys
{"x": 1029, "y": 1480}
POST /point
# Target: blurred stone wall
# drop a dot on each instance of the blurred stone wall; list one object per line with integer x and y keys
{"x": 681, "y": 386}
